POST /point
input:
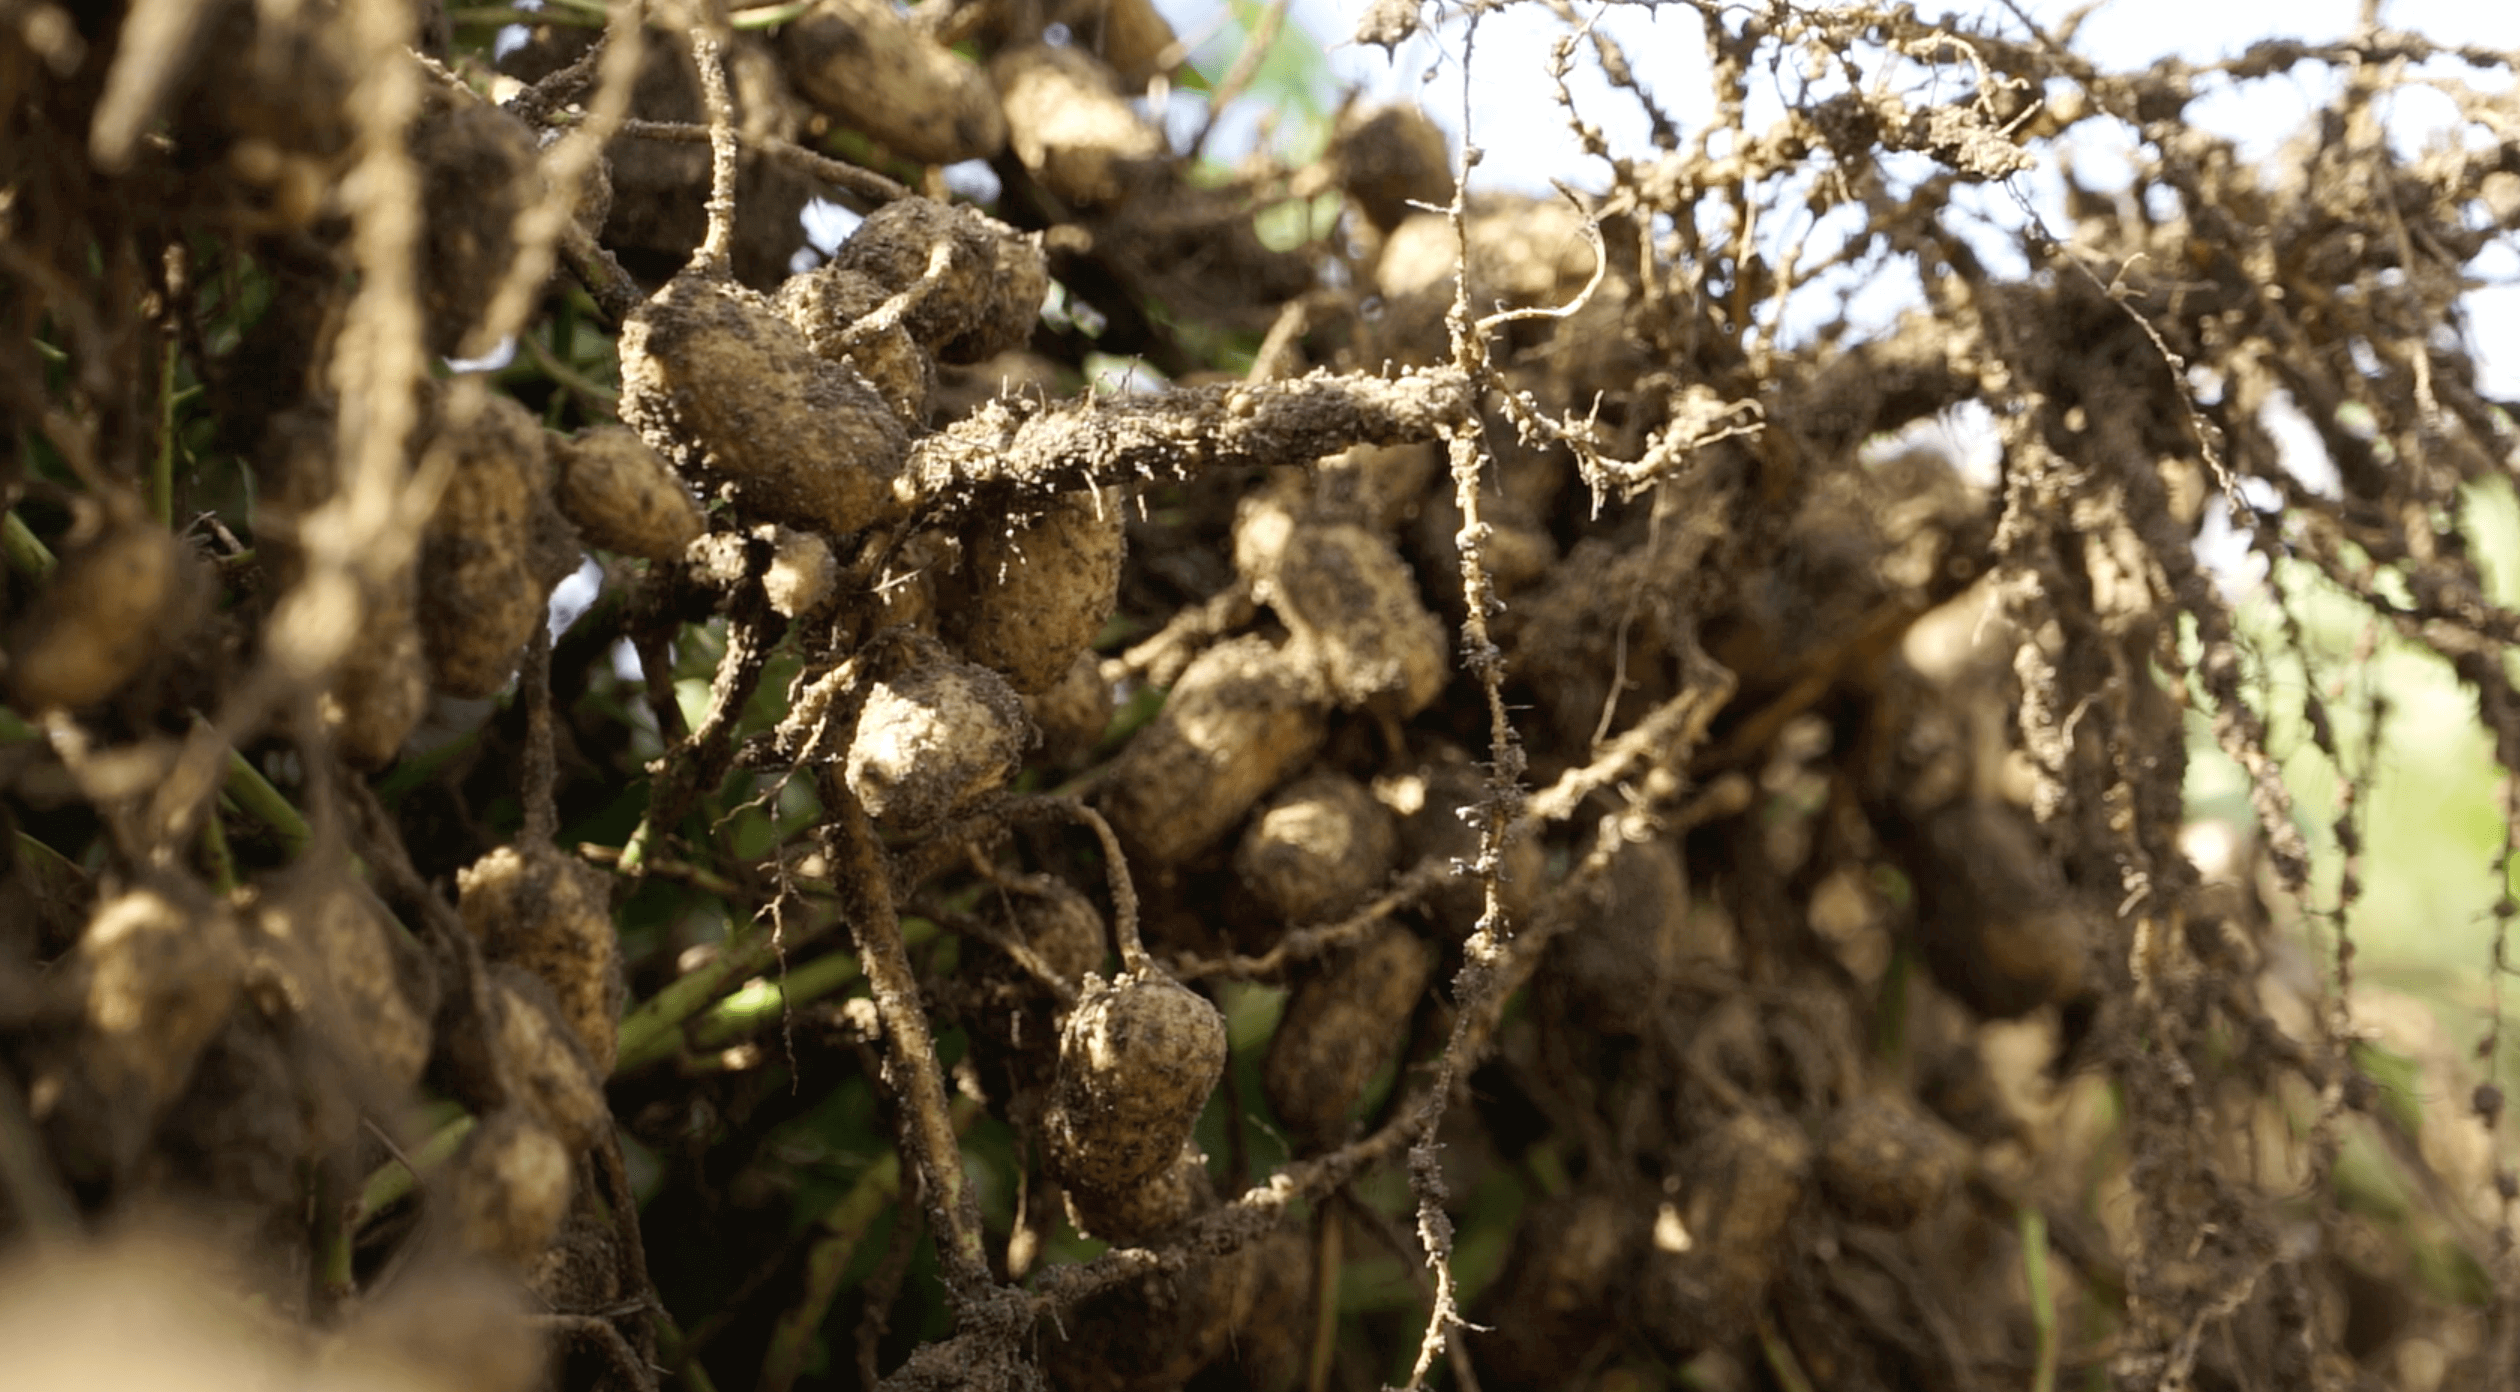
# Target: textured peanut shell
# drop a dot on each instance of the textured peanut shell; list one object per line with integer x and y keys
{"x": 477, "y": 166}
{"x": 1137, "y": 1059}
{"x": 1388, "y": 157}
{"x": 380, "y": 691}
{"x": 364, "y": 980}
{"x": 1138, "y": 1214}
{"x": 158, "y": 982}
{"x": 1431, "y": 802}
{"x": 479, "y": 595}
{"x": 1153, "y": 1334}
{"x": 507, "y": 1190}
{"x": 1636, "y": 938}
{"x": 864, "y": 64}
{"x": 1037, "y": 590}
{"x": 933, "y": 740}
{"x": 1340, "y": 1029}
{"x": 1131, "y": 35}
{"x": 1068, "y": 123}
{"x": 728, "y": 390}
{"x": 551, "y": 915}
{"x": 1883, "y": 1162}
{"x": 989, "y": 297}
{"x": 105, "y": 615}
{"x": 546, "y": 1067}
{"x": 1317, "y": 849}
{"x": 1351, "y": 603}
{"x": 1995, "y": 921}
{"x": 1240, "y": 719}
{"x": 829, "y": 304}
{"x": 1560, "y": 1294}
{"x": 1722, "y": 1244}
{"x": 1074, "y": 712}
{"x": 623, "y": 495}
{"x": 1062, "y": 927}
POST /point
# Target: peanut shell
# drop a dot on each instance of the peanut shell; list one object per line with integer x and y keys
{"x": 1037, "y": 590}
{"x": 623, "y": 495}
{"x": 829, "y": 305}
{"x": 551, "y": 915}
{"x": 1136, "y": 1215}
{"x": 507, "y": 1190}
{"x": 108, "y": 610}
{"x": 989, "y": 298}
{"x": 865, "y": 64}
{"x": 1240, "y": 719}
{"x": 1351, "y": 603}
{"x": 479, "y": 594}
{"x": 1070, "y": 126}
{"x": 1882, "y": 1162}
{"x": 726, "y": 389}
{"x": 933, "y": 740}
{"x": 1137, "y": 1059}
{"x": 1719, "y": 1247}
{"x": 1318, "y": 848}
{"x": 1340, "y": 1029}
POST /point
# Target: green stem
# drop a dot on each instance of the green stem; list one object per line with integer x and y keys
{"x": 674, "y": 1354}
{"x": 1781, "y": 1361}
{"x": 214, "y": 851}
{"x": 2034, "y": 1271}
{"x": 162, "y": 469}
{"x": 256, "y": 798}
{"x": 757, "y": 1003}
{"x": 336, "y": 1230}
{"x": 391, "y": 1182}
{"x": 825, "y": 1266}
{"x": 25, "y": 552}
{"x": 654, "y": 1030}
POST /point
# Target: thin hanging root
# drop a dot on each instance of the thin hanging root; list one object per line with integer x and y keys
{"x": 542, "y": 225}
{"x": 715, "y": 256}
{"x": 865, "y": 885}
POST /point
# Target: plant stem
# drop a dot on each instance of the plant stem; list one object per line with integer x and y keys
{"x": 865, "y": 885}
{"x": 826, "y": 1263}
{"x": 25, "y": 552}
{"x": 389, "y": 1183}
{"x": 2034, "y": 1272}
